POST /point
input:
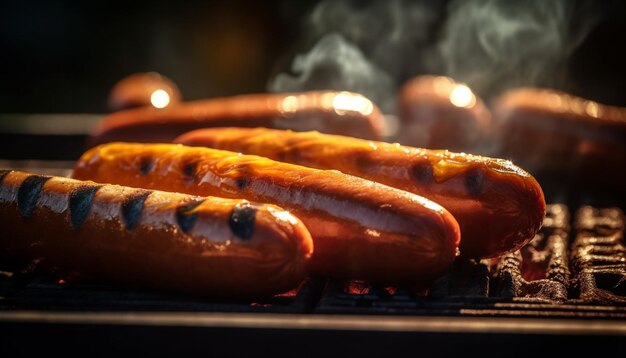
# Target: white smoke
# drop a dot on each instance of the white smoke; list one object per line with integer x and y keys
{"x": 361, "y": 48}
{"x": 394, "y": 35}
{"x": 492, "y": 45}
{"x": 336, "y": 64}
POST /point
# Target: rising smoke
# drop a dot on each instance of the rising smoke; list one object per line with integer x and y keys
{"x": 494, "y": 45}
{"x": 490, "y": 44}
{"x": 335, "y": 63}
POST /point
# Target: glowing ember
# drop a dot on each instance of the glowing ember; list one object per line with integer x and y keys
{"x": 356, "y": 287}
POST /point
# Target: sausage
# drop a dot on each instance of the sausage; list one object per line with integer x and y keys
{"x": 498, "y": 205}
{"x": 437, "y": 112}
{"x": 360, "y": 229}
{"x": 143, "y": 89}
{"x": 167, "y": 241}
{"x": 574, "y": 138}
{"x": 326, "y": 111}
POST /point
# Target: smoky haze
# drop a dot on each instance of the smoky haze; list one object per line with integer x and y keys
{"x": 494, "y": 45}
{"x": 336, "y": 63}
{"x": 491, "y": 45}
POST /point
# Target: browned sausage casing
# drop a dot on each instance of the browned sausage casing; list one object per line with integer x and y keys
{"x": 438, "y": 113}
{"x": 326, "y": 111}
{"x": 167, "y": 241}
{"x": 143, "y": 89}
{"x": 571, "y": 137}
{"x": 360, "y": 229}
{"x": 499, "y": 206}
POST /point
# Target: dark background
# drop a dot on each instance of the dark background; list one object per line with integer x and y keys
{"x": 64, "y": 56}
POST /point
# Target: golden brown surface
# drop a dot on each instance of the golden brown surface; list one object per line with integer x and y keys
{"x": 498, "y": 205}
{"x": 167, "y": 241}
{"x": 437, "y": 112}
{"x": 360, "y": 229}
{"x": 326, "y": 111}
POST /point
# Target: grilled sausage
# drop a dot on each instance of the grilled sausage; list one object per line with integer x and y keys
{"x": 168, "y": 241}
{"x": 143, "y": 89}
{"x": 437, "y": 112}
{"x": 326, "y": 111}
{"x": 360, "y": 229}
{"x": 499, "y": 206}
{"x": 571, "y": 137}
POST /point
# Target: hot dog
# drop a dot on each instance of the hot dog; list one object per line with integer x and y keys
{"x": 360, "y": 229}
{"x": 437, "y": 112}
{"x": 143, "y": 89}
{"x": 572, "y": 137}
{"x": 498, "y": 205}
{"x": 326, "y": 111}
{"x": 167, "y": 241}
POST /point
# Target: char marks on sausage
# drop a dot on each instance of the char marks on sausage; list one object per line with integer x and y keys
{"x": 189, "y": 170}
{"x": 242, "y": 183}
{"x": 474, "y": 181}
{"x": 146, "y": 165}
{"x": 132, "y": 208}
{"x": 185, "y": 217}
{"x": 241, "y": 221}
{"x": 28, "y": 194}
{"x": 422, "y": 173}
{"x": 80, "y": 204}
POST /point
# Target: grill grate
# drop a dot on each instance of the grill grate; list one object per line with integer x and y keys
{"x": 539, "y": 271}
{"x": 532, "y": 282}
{"x": 599, "y": 256}
{"x": 35, "y": 291}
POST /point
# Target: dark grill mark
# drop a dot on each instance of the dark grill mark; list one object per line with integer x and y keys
{"x": 185, "y": 218}
{"x": 241, "y": 220}
{"x": 132, "y": 207}
{"x": 242, "y": 183}
{"x": 146, "y": 165}
{"x": 3, "y": 173}
{"x": 80, "y": 203}
{"x": 422, "y": 173}
{"x": 28, "y": 194}
{"x": 189, "y": 170}
{"x": 474, "y": 181}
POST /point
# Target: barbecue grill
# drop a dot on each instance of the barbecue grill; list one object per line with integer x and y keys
{"x": 566, "y": 288}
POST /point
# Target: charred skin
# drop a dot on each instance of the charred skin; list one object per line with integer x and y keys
{"x": 498, "y": 205}
{"x": 360, "y": 229}
{"x": 167, "y": 241}
{"x": 326, "y": 111}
